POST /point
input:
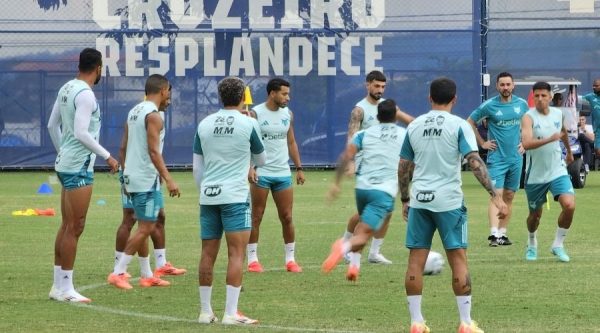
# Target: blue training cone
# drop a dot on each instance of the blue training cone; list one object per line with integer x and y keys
{"x": 45, "y": 189}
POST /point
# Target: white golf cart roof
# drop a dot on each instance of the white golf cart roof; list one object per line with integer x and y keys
{"x": 552, "y": 80}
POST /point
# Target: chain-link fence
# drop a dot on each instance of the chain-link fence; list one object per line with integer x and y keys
{"x": 324, "y": 48}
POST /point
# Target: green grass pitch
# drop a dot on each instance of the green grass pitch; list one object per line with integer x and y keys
{"x": 509, "y": 294}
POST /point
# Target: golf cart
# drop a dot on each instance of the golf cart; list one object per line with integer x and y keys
{"x": 571, "y": 109}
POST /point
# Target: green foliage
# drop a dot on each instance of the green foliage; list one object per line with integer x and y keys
{"x": 509, "y": 294}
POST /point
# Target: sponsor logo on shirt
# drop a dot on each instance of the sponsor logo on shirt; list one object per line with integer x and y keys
{"x": 509, "y": 122}
{"x": 212, "y": 190}
{"x": 425, "y": 196}
{"x": 276, "y": 136}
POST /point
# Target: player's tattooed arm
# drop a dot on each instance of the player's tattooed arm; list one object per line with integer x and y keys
{"x": 356, "y": 118}
{"x": 405, "y": 172}
{"x": 480, "y": 171}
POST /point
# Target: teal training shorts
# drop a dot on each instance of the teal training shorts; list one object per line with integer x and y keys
{"x": 506, "y": 175}
{"x": 275, "y": 184}
{"x": 373, "y": 206}
{"x": 75, "y": 180}
{"x": 451, "y": 225}
{"x": 125, "y": 199}
{"x": 214, "y": 219}
{"x": 146, "y": 205}
{"x": 536, "y": 193}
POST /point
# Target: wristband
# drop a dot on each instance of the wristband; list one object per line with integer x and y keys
{"x": 405, "y": 200}
{"x": 299, "y": 169}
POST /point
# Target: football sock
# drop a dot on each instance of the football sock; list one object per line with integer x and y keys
{"x": 494, "y": 231}
{"x": 464, "y": 308}
{"x": 231, "y": 303}
{"x": 252, "y": 250}
{"x": 123, "y": 263}
{"x": 145, "y": 270}
{"x": 561, "y": 233}
{"x": 414, "y": 307}
{"x": 160, "y": 257}
{"x": 118, "y": 256}
{"x": 289, "y": 252}
{"x": 532, "y": 241}
{"x": 346, "y": 246}
{"x": 502, "y": 231}
{"x": 205, "y": 299}
{"x": 355, "y": 259}
{"x": 66, "y": 280}
{"x": 375, "y": 245}
{"x": 347, "y": 235}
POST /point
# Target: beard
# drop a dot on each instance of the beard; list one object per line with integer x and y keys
{"x": 376, "y": 96}
{"x": 97, "y": 79}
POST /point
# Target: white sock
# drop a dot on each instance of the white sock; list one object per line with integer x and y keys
{"x": 145, "y": 270}
{"x": 160, "y": 257}
{"x": 118, "y": 256}
{"x": 532, "y": 241}
{"x": 252, "y": 252}
{"x": 347, "y": 235}
{"x": 123, "y": 263}
{"x": 414, "y": 307}
{"x": 355, "y": 259}
{"x": 346, "y": 247}
{"x": 375, "y": 246}
{"x": 66, "y": 280}
{"x": 464, "y": 308}
{"x": 56, "y": 281}
{"x": 494, "y": 231}
{"x": 289, "y": 252}
{"x": 231, "y": 303}
{"x": 205, "y": 299}
{"x": 502, "y": 231}
{"x": 561, "y": 233}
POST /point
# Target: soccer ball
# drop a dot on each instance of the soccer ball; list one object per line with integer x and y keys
{"x": 434, "y": 264}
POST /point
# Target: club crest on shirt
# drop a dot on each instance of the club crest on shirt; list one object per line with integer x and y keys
{"x": 439, "y": 120}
